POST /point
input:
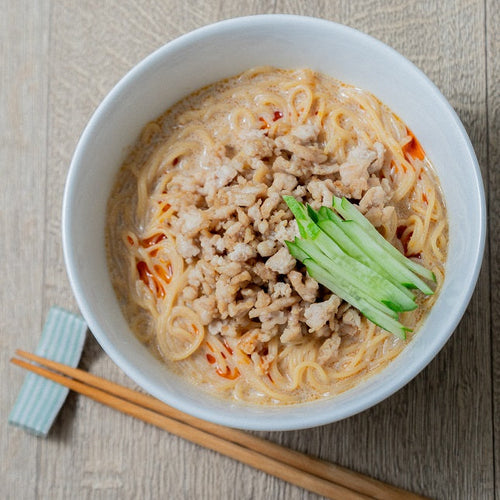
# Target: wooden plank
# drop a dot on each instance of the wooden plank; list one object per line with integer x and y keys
{"x": 23, "y": 118}
{"x": 493, "y": 191}
{"x": 419, "y": 438}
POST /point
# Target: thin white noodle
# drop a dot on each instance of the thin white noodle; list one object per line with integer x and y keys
{"x": 150, "y": 275}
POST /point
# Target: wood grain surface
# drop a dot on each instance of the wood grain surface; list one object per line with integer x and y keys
{"x": 439, "y": 436}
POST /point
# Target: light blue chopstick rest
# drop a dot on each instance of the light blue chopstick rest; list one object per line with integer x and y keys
{"x": 41, "y": 399}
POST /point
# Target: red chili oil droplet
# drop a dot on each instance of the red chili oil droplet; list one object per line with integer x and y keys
{"x": 165, "y": 273}
{"x": 277, "y": 115}
{"x": 153, "y": 240}
{"x": 149, "y": 279}
{"x": 210, "y": 359}
{"x": 405, "y": 239}
{"x": 175, "y": 161}
{"x": 143, "y": 270}
{"x": 413, "y": 148}
{"x": 228, "y": 373}
{"x": 226, "y": 345}
{"x": 264, "y": 123}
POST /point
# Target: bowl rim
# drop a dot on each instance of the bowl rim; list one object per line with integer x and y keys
{"x": 315, "y": 418}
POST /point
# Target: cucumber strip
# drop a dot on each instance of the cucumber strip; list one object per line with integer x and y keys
{"x": 331, "y": 224}
{"x": 374, "y": 314}
{"x": 400, "y": 272}
{"x": 326, "y": 213}
{"x": 312, "y": 213}
{"x": 352, "y": 276}
{"x": 307, "y": 227}
{"x": 352, "y": 259}
{"x": 348, "y": 211}
{"x": 345, "y": 289}
{"x": 296, "y": 252}
{"x": 377, "y": 285}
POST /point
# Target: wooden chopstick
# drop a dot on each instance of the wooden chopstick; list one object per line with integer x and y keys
{"x": 302, "y": 470}
{"x": 207, "y": 440}
{"x": 321, "y": 468}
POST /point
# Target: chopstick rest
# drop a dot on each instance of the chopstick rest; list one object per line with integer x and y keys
{"x": 40, "y": 399}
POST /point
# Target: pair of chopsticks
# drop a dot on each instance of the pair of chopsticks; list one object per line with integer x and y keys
{"x": 312, "y": 474}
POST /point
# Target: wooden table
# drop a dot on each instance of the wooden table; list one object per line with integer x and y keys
{"x": 58, "y": 60}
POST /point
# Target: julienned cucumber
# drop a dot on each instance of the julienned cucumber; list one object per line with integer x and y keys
{"x": 394, "y": 267}
{"x": 363, "y": 276}
{"x": 337, "y": 273}
{"x": 319, "y": 246}
{"x": 349, "y": 212}
{"x": 343, "y": 254}
{"x": 373, "y": 313}
{"x": 336, "y": 232}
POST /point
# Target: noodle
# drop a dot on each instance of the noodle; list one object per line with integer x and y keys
{"x": 196, "y": 228}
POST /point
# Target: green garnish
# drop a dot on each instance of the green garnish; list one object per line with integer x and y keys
{"x": 343, "y": 251}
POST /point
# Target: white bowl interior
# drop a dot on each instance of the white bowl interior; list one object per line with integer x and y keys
{"x": 222, "y": 50}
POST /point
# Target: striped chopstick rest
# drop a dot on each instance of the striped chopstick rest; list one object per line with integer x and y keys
{"x": 40, "y": 399}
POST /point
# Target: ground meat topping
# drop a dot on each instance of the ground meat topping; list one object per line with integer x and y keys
{"x": 234, "y": 224}
{"x": 319, "y": 313}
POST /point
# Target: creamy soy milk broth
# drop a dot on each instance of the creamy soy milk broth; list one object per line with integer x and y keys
{"x": 196, "y": 229}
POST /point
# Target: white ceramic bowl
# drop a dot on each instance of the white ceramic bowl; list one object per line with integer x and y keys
{"x": 219, "y": 51}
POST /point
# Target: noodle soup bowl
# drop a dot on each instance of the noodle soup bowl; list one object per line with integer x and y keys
{"x": 219, "y": 51}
